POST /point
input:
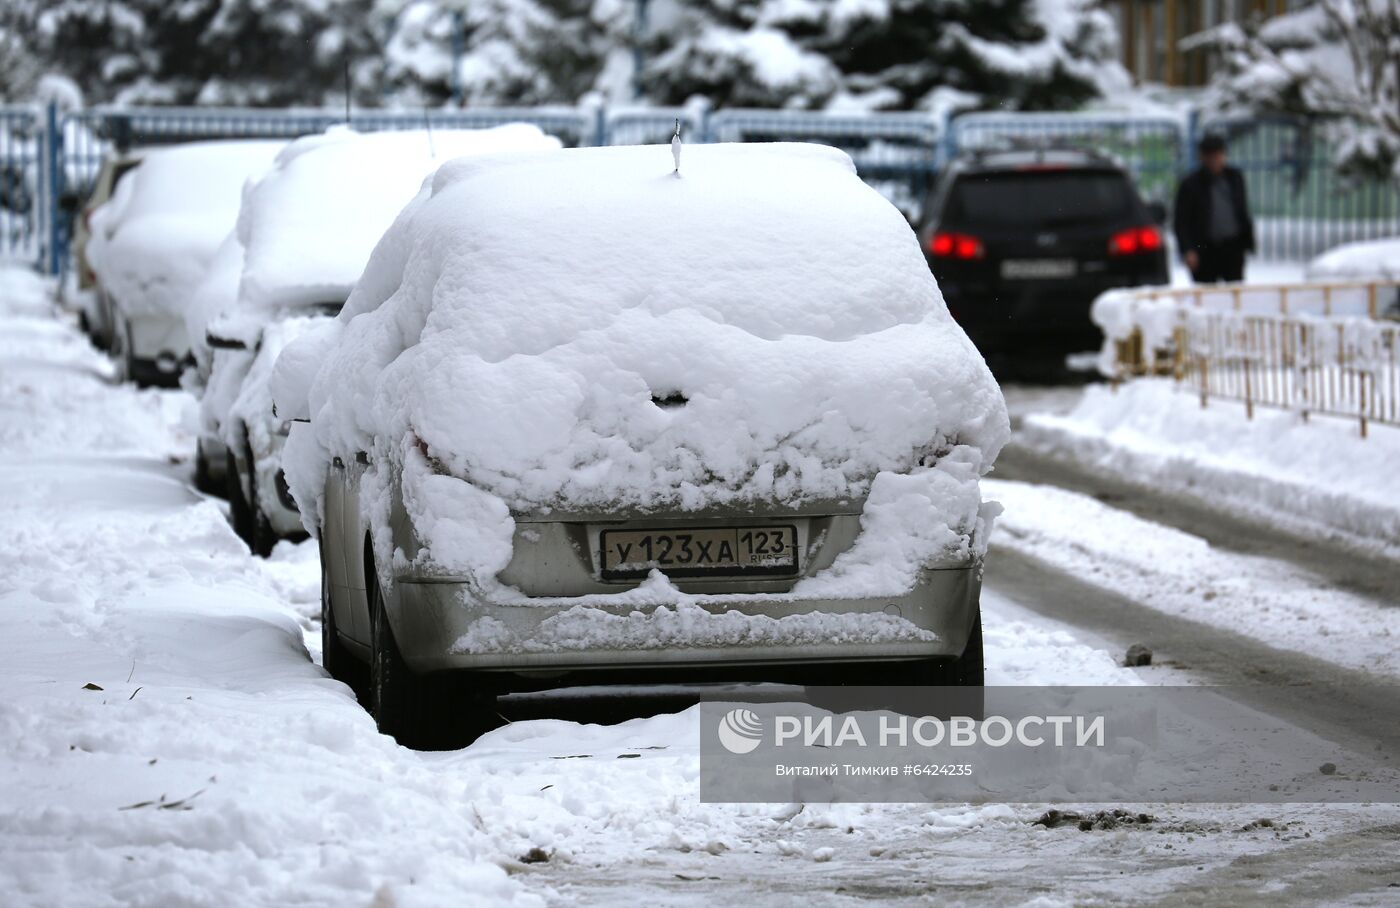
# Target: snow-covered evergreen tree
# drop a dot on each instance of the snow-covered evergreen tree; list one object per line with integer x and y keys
{"x": 261, "y": 52}
{"x": 895, "y": 54}
{"x": 508, "y": 51}
{"x": 1337, "y": 60}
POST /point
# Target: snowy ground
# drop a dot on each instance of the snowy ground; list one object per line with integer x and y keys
{"x": 166, "y": 737}
{"x": 1318, "y": 476}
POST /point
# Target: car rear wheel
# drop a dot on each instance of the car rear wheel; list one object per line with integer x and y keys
{"x": 968, "y": 670}
{"x": 239, "y": 512}
{"x": 336, "y": 657}
{"x": 203, "y": 480}
{"x": 120, "y": 351}
{"x": 262, "y": 538}
{"x": 885, "y": 686}
{"x": 425, "y": 712}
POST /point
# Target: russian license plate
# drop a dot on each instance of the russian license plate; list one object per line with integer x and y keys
{"x": 1031, "y": 269}
{"x": 699, "y": 552}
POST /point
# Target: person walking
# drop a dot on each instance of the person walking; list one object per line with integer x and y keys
{"x": 1212, "y": 223}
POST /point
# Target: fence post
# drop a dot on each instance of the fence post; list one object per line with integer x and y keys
{"x": 947, "y": 143}
{"x": 53, "y": 153}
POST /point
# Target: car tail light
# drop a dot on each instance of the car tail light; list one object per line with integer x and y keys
{"x": 1135, "y": 240}
{"x": 956, "y": 245}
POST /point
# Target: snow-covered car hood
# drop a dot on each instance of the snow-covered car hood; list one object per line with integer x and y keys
{"x": 585, "y": 329}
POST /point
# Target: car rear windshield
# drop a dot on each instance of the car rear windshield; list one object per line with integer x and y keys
{"x": 1039, "y": 198}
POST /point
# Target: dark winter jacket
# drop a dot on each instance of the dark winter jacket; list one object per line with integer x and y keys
{"x": 1193, "y": 200}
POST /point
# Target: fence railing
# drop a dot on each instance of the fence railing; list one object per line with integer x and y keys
{"x": 1327, "y": 348}
{"x": 1302, "y": 206}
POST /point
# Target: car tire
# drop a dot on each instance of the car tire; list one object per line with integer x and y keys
{"x": 336, "y": 657}
{"x": 424, "y": 712}
{"x": 262, "y": 538}
{"x": 240, "y": 514}
{"x": 203, "y": 481}
{"x": 968, "y": 670}
{"x": 884, "y": 686}
{"x": 120, "y": 353}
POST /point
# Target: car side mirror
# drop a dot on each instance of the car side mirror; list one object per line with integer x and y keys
{"x": 1157, "y": 211}
{"x": 219, "y": 342}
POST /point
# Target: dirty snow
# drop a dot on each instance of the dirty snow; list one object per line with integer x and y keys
{"x": 1173, "y": 571}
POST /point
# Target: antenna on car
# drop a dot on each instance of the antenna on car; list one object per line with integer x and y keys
{"x": 676, "y": 148}
{"x": 428, "y": 128}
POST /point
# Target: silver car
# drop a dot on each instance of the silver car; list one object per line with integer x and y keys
{"x": 682, "y": 476}
{"x": 400, "y": 649}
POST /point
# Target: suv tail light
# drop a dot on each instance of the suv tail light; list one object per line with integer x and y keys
{"x": 1135, "y": 240}
{"x": 956, "y": 245}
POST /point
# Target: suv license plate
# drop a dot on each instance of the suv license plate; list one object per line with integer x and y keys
{"x": 699, "y": 552}
{"x": 1031, "y": 269}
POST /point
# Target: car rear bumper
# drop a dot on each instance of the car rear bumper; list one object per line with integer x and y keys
{"x": 446, "y": 625}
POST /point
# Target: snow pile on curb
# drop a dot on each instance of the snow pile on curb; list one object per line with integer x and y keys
{"x": 1275, "y": 465}
{"x": 584, "y": 329}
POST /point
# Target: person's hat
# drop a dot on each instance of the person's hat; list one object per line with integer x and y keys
{"x": 1211, "y": 144}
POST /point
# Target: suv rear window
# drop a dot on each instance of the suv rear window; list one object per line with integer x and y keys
{"x": 1039, "y": 198}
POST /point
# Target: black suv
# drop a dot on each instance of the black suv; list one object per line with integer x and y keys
{"x": 1023, "y": 241}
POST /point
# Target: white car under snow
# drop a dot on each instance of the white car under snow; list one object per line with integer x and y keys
{"x": 305, "y": 231}
{"x": 154, "y": 240}
{"x": 582, "y": 413}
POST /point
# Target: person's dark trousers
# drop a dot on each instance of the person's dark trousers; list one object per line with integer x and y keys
{"x": 1222, "y": 262}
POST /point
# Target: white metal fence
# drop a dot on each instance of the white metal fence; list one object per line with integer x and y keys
{"x": 1326, "y": 348}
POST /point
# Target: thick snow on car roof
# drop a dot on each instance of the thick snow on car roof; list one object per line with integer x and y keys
{"x": 772, "y": 239}
{"x": 586, "y": 330}
{"x": 153, "y": 240}
{"x": 309, "y": 225}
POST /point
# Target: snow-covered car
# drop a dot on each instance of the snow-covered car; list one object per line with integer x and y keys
{"x": 305, "y": 232}
{"x": 1370, "y": 260}
{"x": 1367, "y": 260}
{"x": 153, "y": 241}
{"x": 582, "y": 413}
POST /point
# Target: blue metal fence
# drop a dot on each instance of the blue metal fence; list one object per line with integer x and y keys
{"x": 897, "y": 153}
{"x": 1301, "y": 203}
{"x": 24, "y": 192}
{"x": 1301, "y": 206}
{"x": 1155, "y": 150}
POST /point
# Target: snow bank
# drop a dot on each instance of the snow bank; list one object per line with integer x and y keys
{"x": 153, "y": 241}
{"x": 1274, "y": 601}
{"x": 1275, "y": 465}
{"x": 309, "y": 225}
{"x": 761, "y": 329}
